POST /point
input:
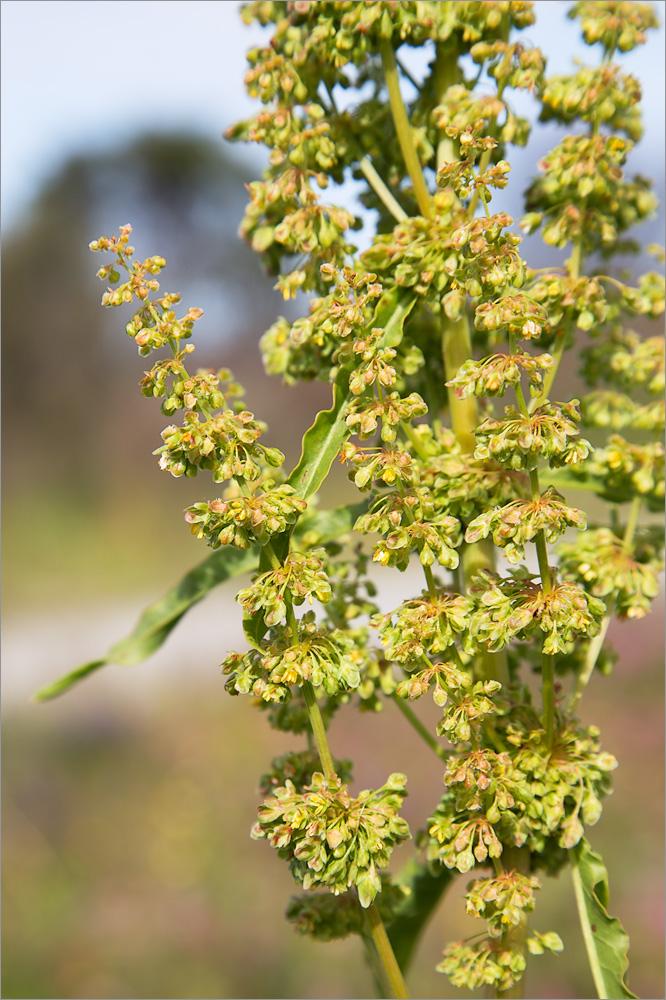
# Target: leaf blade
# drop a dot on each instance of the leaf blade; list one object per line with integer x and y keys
{"x": 159, "y": 619}
{"x": 323, "y": 440}
{"x": 606, "y": 940}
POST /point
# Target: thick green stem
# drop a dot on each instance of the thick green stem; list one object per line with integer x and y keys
{"x": 383, "y": 947}
{"x": 416, "y": 724}
{"x": 404, "y": 131}
{"x": 446, "y": 73}
{"x": 456, "y": 349}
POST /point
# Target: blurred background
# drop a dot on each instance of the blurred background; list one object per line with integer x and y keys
{"x": 128, "y": 870}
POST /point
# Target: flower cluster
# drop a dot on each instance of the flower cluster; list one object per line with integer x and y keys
{"x": 493, "y": 375}
{"x": 428, "y": 624}
{"x": 225, "y": 444}
{"x": 519, "y": 522}
{"x": 326, "y": 658}
{"x": 302, "y": 576}
{"x": 519, "y": 441}
{"x": 527, "y": 796}
{"x": 325, "y": 917}
{"x": 583, "y": 195}
{"x": 241, "y": 520}
{"x": 332, "y": 839}
{"x": 601, "y": 562}
{"x": 516, "y": 607}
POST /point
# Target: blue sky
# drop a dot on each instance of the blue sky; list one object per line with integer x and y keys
{"x": 80, "y": 75}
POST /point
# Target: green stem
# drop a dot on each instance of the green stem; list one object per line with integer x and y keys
{"x": 370, "y": 174}
{"x": 381, "y": 190}
{"x": 574, "y": 267}
{"x": 550, "y": 376}
{"x": 403, "y": 129}
{"x": 415, "y": 723}
{"x": 319, "y": 731}
{"x": 382, "y": 944}
{"x": 588, "y": 935}
{"x": 547, "y": 661}
{"x": 446, "y": 73}
{"x": 456, "y": 349}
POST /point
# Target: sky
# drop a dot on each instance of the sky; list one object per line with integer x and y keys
{"x": 84, "y": 75}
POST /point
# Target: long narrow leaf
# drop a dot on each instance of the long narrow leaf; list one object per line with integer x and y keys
{"x": 322, "y": 442}
{"x": 159, "y": 619}
{"x": 605, "y": 939}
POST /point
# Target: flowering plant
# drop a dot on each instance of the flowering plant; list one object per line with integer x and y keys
{"x": 420, "y": 335}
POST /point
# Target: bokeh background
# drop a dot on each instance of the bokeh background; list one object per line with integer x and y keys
{"x": 127, "y": 867}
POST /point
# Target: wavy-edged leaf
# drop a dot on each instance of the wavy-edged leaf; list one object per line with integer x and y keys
{"x": 426, "y": 888}
{"x": 606, "y": 940}
{"x": 322, "y": 442}
{"x": 159, "y": 619}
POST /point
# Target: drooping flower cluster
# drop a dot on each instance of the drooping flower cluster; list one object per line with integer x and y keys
{"x": 332, "y": 839}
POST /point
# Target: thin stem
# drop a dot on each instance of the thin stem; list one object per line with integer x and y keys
{"x": 369, "y": 172}
{"x": 403, "y": 130}
{"x": 415, "y": 723}
{"x": 574, "y": 268}
{"x": 550, "y": 375}
{"x": 588, "y": 935}
{"x": 319, "y": 730}
{"x": 381, "y": 942}
{"x": 547, "y": 660}
{"x": 381, "y": 190}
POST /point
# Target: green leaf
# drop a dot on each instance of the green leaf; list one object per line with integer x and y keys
{"x": 426, "y": 890}
{"x": 159, "y": 619}
{"x": 322, "y": 442}
{"x": 606, "y": 940}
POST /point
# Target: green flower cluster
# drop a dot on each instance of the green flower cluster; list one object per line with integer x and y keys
{"x": 583, "y": 195}
{"x": 516, "y": 607}
{"x": 301, "y": 576}
{"x": 241, "y": 520}
{"x": 424, "y": 625}
{"x": 519, "y": 522}
{"x": 526, "y": 796}
{"x": 326, "y": 658}
{"x": 550, "y": 433}
{"x": 333, "y": 839}
{"x": 616, "y": 24}
{"x": 600, "y": 561}
{"x": 493, "y": 375}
